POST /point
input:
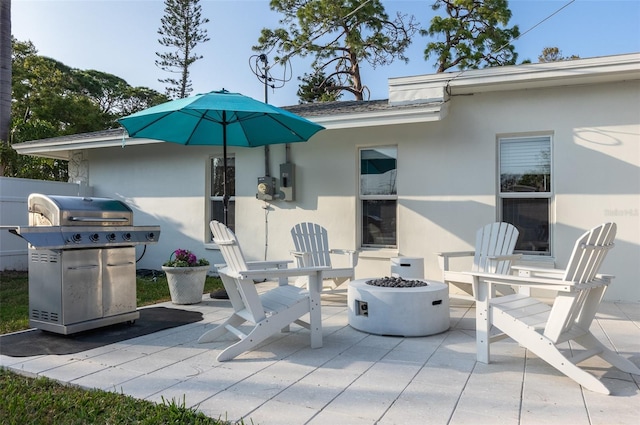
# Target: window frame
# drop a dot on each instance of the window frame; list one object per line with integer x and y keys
{"x": 375, "y": 197}
{"x": 549, "y": 195}
{"x": 216, "y": 198}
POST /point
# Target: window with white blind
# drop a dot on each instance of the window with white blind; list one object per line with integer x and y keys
{"x": 216, "y": 191}
{"x": 378, "y": 196}
{"x": 525, "y": 190}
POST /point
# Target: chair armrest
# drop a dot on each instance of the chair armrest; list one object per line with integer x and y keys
{"x": 275, "y": 264}
{"x": 531, "y": 271}
{"x": 443, "y": 257}
{"x": 456, "y": 253}
{"x": 512, "y": 257}
{"x": 261, "y": 265}
{"x": 301, "y": 257}
{"x": 527, "y": 281}
{"x": 283, "y": 274}
{"x": 270, "y": 273}
{"x": 352, "y": 254}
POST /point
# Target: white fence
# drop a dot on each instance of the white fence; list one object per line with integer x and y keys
{"x": 13, "y": 212}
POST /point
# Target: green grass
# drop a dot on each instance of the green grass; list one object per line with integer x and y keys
{"x": 26, "y": 400}
{"x": 43, "y": 401}
{"x": 14, "y": 297}
{"x": 14, "y": 301}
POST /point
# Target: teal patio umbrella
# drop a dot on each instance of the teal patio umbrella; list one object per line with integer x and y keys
{"x": 219, "y": 118}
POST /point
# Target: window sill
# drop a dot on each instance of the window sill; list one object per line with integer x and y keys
{"x": 537, "y": 261}
{"x": 377, "y": 253}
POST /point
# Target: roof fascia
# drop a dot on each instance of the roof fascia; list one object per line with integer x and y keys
{"x": 62, "y": 149}
{"x": 517, "y": 77}
{"x": 427, "y": 113}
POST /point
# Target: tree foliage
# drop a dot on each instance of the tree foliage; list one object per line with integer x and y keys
{"x": 470, "y": 34}
{"x": 313, "y": 88}
{"x": 51, "y": 99}
{"x": 5, "y": 78}
{"x": 339, "y": 35}
{"x": 553, "y": 54}
{"x": 182, "y": 30}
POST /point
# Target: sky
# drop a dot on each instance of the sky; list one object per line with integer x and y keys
{"x": 120, "y": 38}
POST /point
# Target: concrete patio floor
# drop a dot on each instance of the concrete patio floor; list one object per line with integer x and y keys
{"x": 357, "y": 378}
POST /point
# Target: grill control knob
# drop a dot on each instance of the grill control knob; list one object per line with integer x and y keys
{"x": 95, "y": 237}
{"x": 126, "y": 236}
{"x": 111, "y": 237}
{"x": 151, "y": 236}
{"x": 77, "y": 237}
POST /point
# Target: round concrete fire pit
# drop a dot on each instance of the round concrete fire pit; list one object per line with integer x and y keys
{"x": 398, "y": 311}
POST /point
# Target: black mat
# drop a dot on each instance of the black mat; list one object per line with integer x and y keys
{"x": 35, "y": 342}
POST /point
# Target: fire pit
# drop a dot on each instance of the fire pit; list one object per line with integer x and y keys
{"x": 398, "y": 307}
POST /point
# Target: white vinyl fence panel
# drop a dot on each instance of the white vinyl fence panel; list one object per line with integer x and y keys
{"x": 13, "y": 212}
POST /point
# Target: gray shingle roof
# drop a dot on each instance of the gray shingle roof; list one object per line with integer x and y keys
{"x": 306, "y": 110}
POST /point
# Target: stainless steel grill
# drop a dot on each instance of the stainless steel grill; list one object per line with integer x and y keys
{"x": 82, "y": 262}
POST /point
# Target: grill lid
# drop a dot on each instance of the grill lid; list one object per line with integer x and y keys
{"x": 55, "y": 210}
{"x": 72, "y": 222}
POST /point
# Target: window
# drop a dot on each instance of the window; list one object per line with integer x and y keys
{"x": 525, "y": 190}
{"x": 378, "y": 196}
{"x": 216, "y": 206}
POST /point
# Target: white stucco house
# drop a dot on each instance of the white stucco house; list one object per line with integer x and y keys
{"x": 553, "y": 148}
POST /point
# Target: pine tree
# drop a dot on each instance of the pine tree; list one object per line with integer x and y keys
{"x": 339, "y": 35}
{"x": 471, "y": 35}
{"x": 182, "y": 29}
{"x": 554, "y": 54}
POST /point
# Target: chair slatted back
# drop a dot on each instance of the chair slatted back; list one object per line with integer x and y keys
{"x": 242, "y": 292}
{"x": 229, "y": 247}
{"x": 579, "y": 306}
{"x": 589, "y": 252}
{"x": 313, "y": 239}
{"x": 494, "y": 239}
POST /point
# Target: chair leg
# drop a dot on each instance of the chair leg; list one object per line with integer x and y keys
{"x": 589, "y": 341}
{"x": 215, "y": 333}
{"x": 483, "y": 323}
{"x": 260, "y": 332}
{"x": 544, "y": 348}
{"x": 315, "y": 314}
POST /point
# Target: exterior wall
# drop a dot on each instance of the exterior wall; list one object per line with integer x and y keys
{"x": 446, "y": 181}
{"x": 164, "y": 185}
{"x": 13, "y": 212}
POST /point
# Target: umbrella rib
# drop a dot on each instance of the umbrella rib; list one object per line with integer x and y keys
{"x": 195, "y": 127}
{"x": 275, "y": 118}
{"x": 149, "y": 124}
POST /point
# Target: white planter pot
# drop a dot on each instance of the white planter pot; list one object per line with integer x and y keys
{"x": 186, "y": 284}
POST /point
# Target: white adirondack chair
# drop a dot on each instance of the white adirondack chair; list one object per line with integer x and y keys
{"x": 311, "y": 243}
{"x": 495, "y": 243}
{"x": 539, "y": 327}
{"x": 269, "y": 312}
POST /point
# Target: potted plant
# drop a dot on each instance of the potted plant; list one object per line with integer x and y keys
{"x": 186, "y": 275}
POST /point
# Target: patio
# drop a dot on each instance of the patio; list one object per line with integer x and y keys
{"x": 356, "y": 378}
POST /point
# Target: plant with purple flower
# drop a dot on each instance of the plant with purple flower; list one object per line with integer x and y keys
{"x": 185, "y": 258}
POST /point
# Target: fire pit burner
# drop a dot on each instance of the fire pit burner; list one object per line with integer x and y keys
{"x": 396, "y": 282}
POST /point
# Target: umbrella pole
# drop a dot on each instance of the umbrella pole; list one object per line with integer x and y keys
{"x": 225, "y": 195}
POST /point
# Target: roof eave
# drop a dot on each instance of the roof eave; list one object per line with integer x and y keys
{"x": 517, "y": 77}
{"x": 430, "y": 113}
{"x": 61, "y": 149}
